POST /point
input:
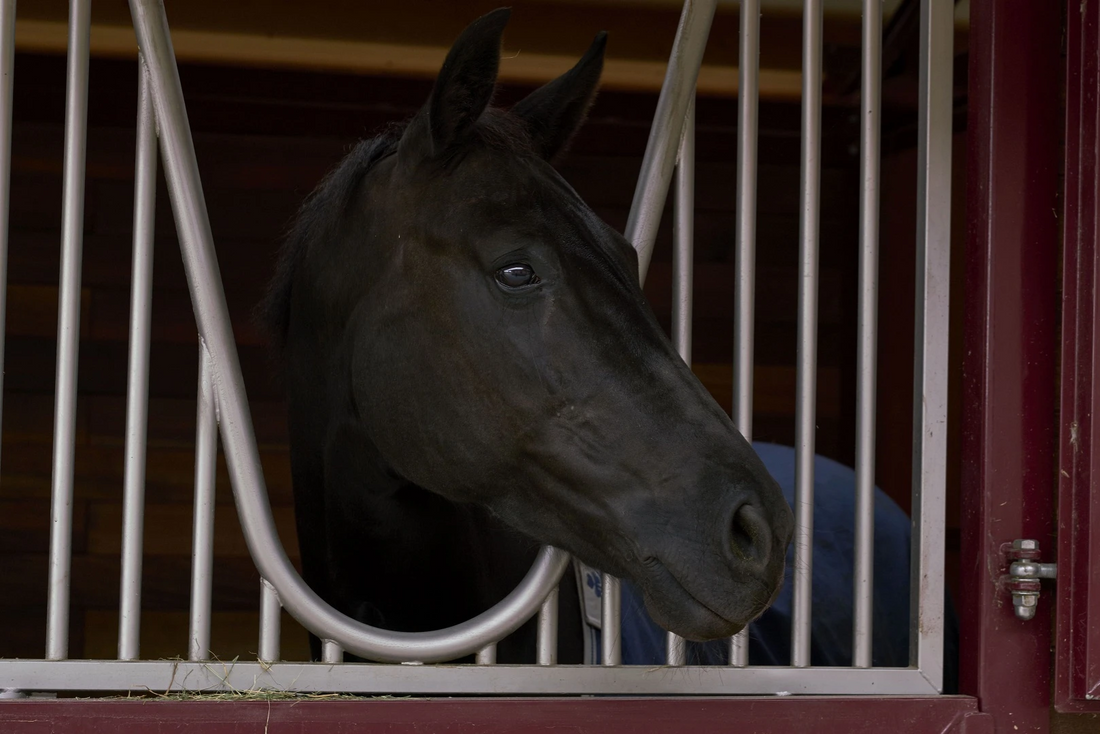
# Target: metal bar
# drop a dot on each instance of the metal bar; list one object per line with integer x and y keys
{"x": 748, "y": 109}
{"x": 683, "y": 250}
{"x": 137, "y": 389}
{"x": 930, "y": 355}
{"x": 546, "y": 641}
{"x": 331, "y": 652}
{"x": 806, "y": 387}
{"x": 611, "y": 639}
{"x": 68, "y": 331}
{"x": 675, "y": 650}
{"x": 7, "y": 77}
{"x": 668, "y": 123}
{"x": 270, "y": 623}
{"x": 637, "y": 680}
{"x": 242, "y": 455}
{"x": 487, "y": 655}
{"x": 202, "y": 545}
{"x": 683, "y": 239}
{"x": 866, "y": 368}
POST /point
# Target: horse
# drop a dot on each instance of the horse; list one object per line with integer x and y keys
{"x": 472, "y": 370}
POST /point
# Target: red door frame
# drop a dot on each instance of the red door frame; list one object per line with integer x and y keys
{"x": 1011, "y": 329}
{"x": 1008, "y": 459}
{"x": 1077, "y": 652}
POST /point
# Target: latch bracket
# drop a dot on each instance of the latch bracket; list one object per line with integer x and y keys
{"x": 1024, "y": 572}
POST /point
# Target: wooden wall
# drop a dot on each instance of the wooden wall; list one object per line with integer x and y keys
{"x": 264, "y": 138}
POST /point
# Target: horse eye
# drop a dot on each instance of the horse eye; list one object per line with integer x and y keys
{"x": 517, "y": 276}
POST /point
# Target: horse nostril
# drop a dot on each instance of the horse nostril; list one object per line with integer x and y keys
{"x": 750, "y": 538}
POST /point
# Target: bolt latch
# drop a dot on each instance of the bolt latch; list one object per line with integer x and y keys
{"x": 1024, "y": 572}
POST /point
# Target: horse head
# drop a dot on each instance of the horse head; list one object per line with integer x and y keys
{"x": 488, "y": 334}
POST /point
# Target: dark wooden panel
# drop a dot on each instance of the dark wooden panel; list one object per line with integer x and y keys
{"x": 30, "y": 363}
{"x": 165, "y": 582}
{"x": 98, "y": 471}
{"x": 24, "y": 526}
{"x": 164, "y": 634}
{"x": 168, "y": 530}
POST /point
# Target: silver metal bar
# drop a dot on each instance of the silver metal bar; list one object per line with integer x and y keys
{"x": 242, "y": 455}
{"x": 202, "y": 544}
{"x": 547, "y": 632}
{"x": 7, "y": 77}
{"x": 68, "y": 331}
{"x": 137, "y": 388}
{"x": 487, "y": 655}
{"x": 331, "y": 652}
{"x": 675, "y": 650}
{"x": 683, "y": 252}
{"x": 930, "y": 367}
{"x": 744, "y": 313}
{"x": 677, "y": 92}
{"x": 611, "y": 639}
{"x": 863, "y": 573}
{"x": 497, "y": 680}
{"x": 806, "y": 387}
{"x": 270, "y": 623}
{"x": 683, "y": 239}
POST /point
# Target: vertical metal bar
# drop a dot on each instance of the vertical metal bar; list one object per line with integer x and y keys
{"x": 331, "y": 652}
{"x": 930, "y": 368}
{"x": 683, "y": 250}
{"x": 487, "y": 655}
{"x": 677, "y": 92}
{"x": 7, "y": 77}
{"x": 202, "y": 545}
{"x": 547, "y": 632}
{"x": 806, "y": 388}
{"x": 748, "y": 104}
{"x": 675, "y": 650}
{"x": 610, "y": 633}
{"x": 270, "y": 622}
{"x": 137, "y": 390}
{"x": 866, "y": 368}
{"x": 68, "y": 331}
{"x": 683, "y": 236}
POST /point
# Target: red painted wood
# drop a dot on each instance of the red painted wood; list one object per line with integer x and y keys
{"x": 1077, "y": 651}
{"x": 1009, "y": 362}
{"x": 603, "y": 715}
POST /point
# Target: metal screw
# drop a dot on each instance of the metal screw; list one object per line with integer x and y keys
{"x": 1025, "y": 545}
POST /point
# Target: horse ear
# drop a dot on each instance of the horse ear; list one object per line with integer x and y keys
{"x": 554, "y": 112}
{"x": 465, "y": 83}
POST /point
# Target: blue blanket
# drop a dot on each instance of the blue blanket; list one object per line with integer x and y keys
{"x": 831, "y": 625}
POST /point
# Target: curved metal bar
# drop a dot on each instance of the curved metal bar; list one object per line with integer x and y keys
{"x": 677, "y": 92}
{"x": 242, "y": 455}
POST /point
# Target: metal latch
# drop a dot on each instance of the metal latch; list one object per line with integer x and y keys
{"x": 1024, "y": 572}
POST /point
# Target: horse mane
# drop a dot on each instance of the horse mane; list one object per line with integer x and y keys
{"x": 322, "y": 211}
{"x": 315, "y": 222}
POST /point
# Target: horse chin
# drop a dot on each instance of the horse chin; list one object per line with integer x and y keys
{"x": 676, "y": 610}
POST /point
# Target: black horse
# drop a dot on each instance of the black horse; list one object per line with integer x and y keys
{"x": 472, "y": 370}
